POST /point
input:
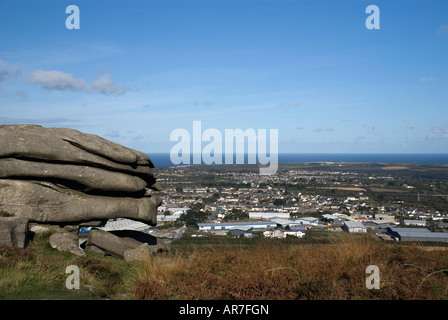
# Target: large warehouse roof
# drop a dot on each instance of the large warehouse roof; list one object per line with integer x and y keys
{"x": 354, "y": 224}
{"x": 418, "y": 234}
{"x": 409, "y": 229}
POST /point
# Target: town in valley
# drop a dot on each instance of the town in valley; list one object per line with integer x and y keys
{"x": 394, "y": 202}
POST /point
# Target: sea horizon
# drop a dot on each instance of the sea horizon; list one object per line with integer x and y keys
{"x": 163, "y": 159}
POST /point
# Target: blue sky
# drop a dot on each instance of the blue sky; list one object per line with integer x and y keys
{"x": 137, "y": 70}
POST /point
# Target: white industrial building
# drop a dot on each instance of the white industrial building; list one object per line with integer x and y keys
{"x": 282, "y": 234}
{"x": 410, "y": 222}
{"x": 307, "y": 221}
{"x": 256, "y": 225}
{"x": 268, "y": 215}
{"x": 354, "y": 226}
{"x": 285, "y": 222}
{"x": 161, "y": 219}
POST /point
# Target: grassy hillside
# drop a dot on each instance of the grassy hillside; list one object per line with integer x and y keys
{"x": 39, "y": 272}
{"x": 272, "y": 270}
{"x": 233, "y": 270}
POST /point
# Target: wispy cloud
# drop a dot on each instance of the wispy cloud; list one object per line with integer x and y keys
{"x": 438, "y": 133}
{"x": 442, "y": 30}
{"x": 427, "y": 79}
{"x": 203, "y": 103}
{"x": 105, "y": 85}
{"x": 58, "y": 80}
{"x": 324, "y": 130}
{"x": 412, "y": 126}
{"x": 9, "y": 72}
{"x": 112, "y": 133}
{"x": 372, "y": 130}
{"x": 54, "y": 80}
{"x": 41, "y": 121}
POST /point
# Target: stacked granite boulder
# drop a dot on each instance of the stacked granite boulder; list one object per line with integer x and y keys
{"x": 66, "y": 177}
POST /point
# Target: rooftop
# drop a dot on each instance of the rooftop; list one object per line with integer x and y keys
{"x": 237, "y": 223}
{"x": 354, "y": 224}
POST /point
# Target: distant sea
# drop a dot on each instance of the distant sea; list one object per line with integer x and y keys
{"x": 163, "y": 159}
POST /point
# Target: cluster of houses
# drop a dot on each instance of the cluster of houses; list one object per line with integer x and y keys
{"x": 170, "y": 214}
{"x": 274, "y": 212}
{"x": 271, "y": 228}
{"x": 275, "y": 225}
{"x": 279, "y": 225}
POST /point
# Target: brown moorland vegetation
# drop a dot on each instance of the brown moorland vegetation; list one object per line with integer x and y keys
{"x": 327, "y": 268}
{"x": 281, "y": 272}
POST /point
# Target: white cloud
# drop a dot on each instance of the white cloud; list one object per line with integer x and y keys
{"x": 373, "y": 130}
{"x": 203, "y": 103}
{"x": 54, "y": 80}
{"x": 323, "y": 130}
{"x": 8, "y": 71}
{"x": 112, "y": 133}
{"x": 105, "y": 85}
{"x": 438, "y": 133}
{"x": 58, "y": 80}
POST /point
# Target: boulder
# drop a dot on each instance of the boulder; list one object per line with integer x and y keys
{"x": 95, "y": 250}
{"x": 46, "y": 202}
{"x": 60, "y": 179}
{"x": 13, "y": 232}
{"x": 68, "y": 242}
{"x": 109, "y": 243}
{"x": 71, "y": 147}
{"x": 64, "y": 145}
{"x": 79, "y": 177}
{"x": 117, "y": 243}
{"x": 141, "y": 253}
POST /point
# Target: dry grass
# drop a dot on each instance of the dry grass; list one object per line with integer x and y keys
{"x": 274, "y": 271}
{"x": 39, "y": 272}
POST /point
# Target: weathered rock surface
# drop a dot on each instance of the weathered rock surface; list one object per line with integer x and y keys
{"x": 60, "y": 179}
{"x": 68, "y": 242}
{"x": 121, "y": 243}
{"x": 13, "y": 232}
{"x": 63, "y": 145}
{"x": 63, "y": 176}
{"x": 81, "y": 177}
{"x": 50, "y": 203}
{"x": 95, "y": 250}
{"x": 140, "y": 253}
